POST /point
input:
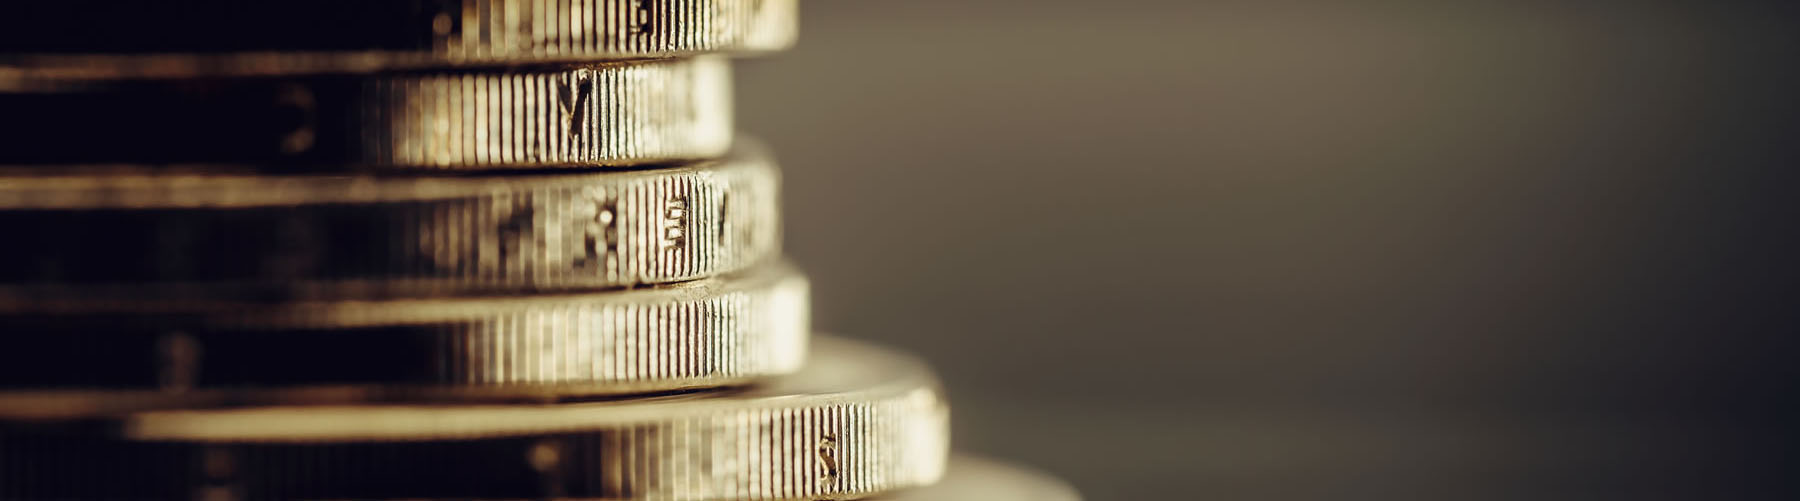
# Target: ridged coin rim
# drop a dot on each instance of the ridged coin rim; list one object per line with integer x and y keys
{"x": 456, "y": 34}
{"x": 395, "y": 235}
{"x": 708, "y": 333}
{"x": 857, "y": 421}
{"x": 555, "y": 117}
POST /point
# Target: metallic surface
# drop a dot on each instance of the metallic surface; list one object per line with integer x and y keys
{"x": 974, "y": 478}
{"x": 611, "y": 114}
{"x": 705, "y": 333}
{"x": 65, "y": 40}
{"x": 857, "y": 421}
{"x": 342, "y": 236}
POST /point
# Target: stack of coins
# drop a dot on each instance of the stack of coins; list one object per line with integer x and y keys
{"x": 423, "y": 249}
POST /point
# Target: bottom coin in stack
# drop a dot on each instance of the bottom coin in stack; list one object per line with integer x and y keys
{"x": 857, "y": 421}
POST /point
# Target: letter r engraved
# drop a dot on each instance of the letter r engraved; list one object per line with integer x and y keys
{"x": 675, "y": 223}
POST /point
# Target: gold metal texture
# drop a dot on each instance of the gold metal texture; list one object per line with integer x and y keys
{"x": 338, "y": 237}
{"x": 70, "y": 40}
{"x": 540, "y": 117}
{"x": 857, "y": 421}
{"x": 974, "y": 478}
{"x": 161, "y": 354}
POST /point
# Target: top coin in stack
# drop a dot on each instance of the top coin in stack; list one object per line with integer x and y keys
{"x": 62, "y": 40}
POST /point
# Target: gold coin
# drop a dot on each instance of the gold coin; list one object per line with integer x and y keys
{"x": 613, "y": 114}
{"x": 151, "y": 235}
{"x": 707, "y": 333}
{"x": 72, "y": 40}
{"x": 857, "y": 421}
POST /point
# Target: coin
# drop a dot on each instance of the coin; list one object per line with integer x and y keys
{"x": 706, "y": 333}
{"x": 355, "y": 236}
{"x": 94, "y": 39}
{"x": 857, "y": 421}
{"x": 611, "y": 114}
{"x": 972, "y": 478}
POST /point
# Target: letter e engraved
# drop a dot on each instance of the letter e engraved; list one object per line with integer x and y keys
{"x": 301, "y": 135}
{"x": 599, "y": 233}
{"x": 828, "y": 463}
{"x": 573, "y": 97}
{"x": 643, "y": 18}
{"x": 675, "y": 223}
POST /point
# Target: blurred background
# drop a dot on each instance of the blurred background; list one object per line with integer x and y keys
{"x": 1314, "y": 250}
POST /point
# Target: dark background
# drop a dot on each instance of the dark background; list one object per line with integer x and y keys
{"x": 1313, "y": 250}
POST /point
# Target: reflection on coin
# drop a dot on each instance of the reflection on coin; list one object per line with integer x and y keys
{"x": 338, "y": 236}
{"x": 541, "y": 118}
{"x": 72, "y": 39}
{"x": 857, "y": 421}
{"x": 711, "y": 332}
{"x": 972, "y": 478}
